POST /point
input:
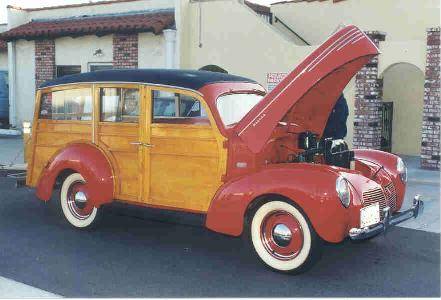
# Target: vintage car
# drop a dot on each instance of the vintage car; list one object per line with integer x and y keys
{"x": 253, "y": 163}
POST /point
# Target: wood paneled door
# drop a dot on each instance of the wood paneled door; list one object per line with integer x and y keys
{"x": 186, "y": 156}
{"x": 121, "y": 131}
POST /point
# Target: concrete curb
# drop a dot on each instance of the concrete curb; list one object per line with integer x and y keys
{"x": 435, "y": 182}
{"x": 10, "y": 132}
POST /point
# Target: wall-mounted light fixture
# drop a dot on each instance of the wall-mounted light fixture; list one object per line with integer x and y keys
{"x": 98, "y": 53}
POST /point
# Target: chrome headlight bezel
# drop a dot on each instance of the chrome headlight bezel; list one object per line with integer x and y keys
{"x": 343, "y": 191}
{"x": 402, "y": 169}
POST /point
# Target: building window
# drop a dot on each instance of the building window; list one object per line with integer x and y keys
{"x": 119, "y": 105}
{"x": 75, "y": 104}
{"x": 67, "y": 70}
{"x": 167, "y": 105}
{"x": 100, "y": 66}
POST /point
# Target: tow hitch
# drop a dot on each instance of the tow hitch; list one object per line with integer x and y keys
{"x": 16, "y": 172}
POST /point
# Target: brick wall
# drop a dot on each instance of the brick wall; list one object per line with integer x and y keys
{"x": 368, "y": 101}
{"x": 125, "y": 51}
{"x": 430, "y": 144}
{"x": 44, "y": 61}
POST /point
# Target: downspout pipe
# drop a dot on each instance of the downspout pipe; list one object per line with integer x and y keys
{"x": 170, "y": 48}
{"x": 12, "y": 73}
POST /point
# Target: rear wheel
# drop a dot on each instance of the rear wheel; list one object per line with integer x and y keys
{"x": 75, "y": 204}
{"x": 283, "y": 238}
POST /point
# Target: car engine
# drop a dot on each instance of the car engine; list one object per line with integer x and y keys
{"x": 334, "y": 152}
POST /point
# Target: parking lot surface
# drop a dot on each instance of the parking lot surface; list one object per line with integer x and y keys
{"x": 132, "y": 255}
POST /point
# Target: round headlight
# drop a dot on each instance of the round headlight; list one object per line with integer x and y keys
{"x": 402, "y": 169}
{"x": 343, "y": 192}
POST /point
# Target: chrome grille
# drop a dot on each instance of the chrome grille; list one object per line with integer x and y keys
{"x": 375, "y": 195}
{"x": 391, "y": 196}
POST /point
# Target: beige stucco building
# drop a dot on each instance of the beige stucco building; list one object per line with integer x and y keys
{"x": 245, "y": 40}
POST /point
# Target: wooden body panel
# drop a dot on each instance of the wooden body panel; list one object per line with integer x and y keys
{"x": 52, "y": 136}
{"x": 115, "y": 139}
{"x": 185, "y": 166}
{"x": 187, "y": 161}
{"x": 182, "y": 171}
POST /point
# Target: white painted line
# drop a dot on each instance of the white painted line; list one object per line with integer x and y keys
{"x": 12, "y": 289}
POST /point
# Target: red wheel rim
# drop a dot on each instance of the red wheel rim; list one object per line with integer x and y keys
{"x": 79, "y": 210}
{"x": 285, "y": 249}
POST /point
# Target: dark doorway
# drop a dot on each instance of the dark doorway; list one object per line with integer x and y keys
{"x": 387, "y": 113}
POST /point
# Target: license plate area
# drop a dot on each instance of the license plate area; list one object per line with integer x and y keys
{"x": 370, "y": 215}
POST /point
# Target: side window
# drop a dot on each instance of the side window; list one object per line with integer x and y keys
{"x": 119, "y": 105}
{"x": 168, "y": 105}
{"x": 74, "y": 104}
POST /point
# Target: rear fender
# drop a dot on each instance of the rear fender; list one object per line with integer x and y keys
{"x": 311, "y": 187}
{"x": 90, "y": 162}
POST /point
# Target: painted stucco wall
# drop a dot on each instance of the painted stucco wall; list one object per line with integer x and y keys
{"x": 237, "y": 50}
{"x": 151, "y": 51}
{"x": 404, "y": 86}
{"x": 80, "y": 50}
{"x": 393, "y": 52}
{"x": 234, "y": 38}
{"x": 401, "y": 19}
{"x": 25, "y": 83}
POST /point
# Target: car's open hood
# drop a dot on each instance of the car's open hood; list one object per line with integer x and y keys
{"x": 308, "y": 94}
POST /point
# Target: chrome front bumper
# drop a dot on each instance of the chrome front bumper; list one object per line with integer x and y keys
{"x": 388, "y": 220}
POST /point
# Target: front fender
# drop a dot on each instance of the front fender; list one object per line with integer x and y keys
{"x": 389, "y": 162}
{"x": 90, "y": 162}
{"x": 311, "y": 187}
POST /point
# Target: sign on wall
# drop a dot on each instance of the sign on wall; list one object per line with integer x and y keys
{"x": 273, "y": 79}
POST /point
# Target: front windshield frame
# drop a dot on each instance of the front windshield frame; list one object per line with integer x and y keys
{"x": 239, "y": 92}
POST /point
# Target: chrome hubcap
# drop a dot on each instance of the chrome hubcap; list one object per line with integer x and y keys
{"x": 282, "y": 235}
{"x": 80, "y": 199}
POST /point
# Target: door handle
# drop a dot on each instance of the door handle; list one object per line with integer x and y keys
{"x": 136, "y": 143}
{"x": 142, "y": 144}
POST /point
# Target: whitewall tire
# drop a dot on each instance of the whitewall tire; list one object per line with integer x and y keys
{"x": 73, "y": 202}
{"x": 283, "y": 238}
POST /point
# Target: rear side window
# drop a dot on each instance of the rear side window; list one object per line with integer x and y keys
{"x": 175, "y": 105}
{"x": 74, "y": 104}
{"x": 119, "y": 105}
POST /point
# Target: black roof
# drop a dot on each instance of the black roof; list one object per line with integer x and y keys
{"x": 189, "y": 79}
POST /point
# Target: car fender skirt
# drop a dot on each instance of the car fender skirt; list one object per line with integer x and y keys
{"x": 311, "y": 188}
{"x": 90, "y": 162}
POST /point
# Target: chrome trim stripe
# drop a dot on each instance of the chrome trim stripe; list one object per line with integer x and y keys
{"x": 124, "y": 82}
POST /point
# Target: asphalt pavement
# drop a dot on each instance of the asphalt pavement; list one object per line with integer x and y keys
{"x": 132, "y": 255}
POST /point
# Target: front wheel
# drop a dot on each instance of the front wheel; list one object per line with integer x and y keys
{"x": 74, "y": 203}
{"x": 283, "y": 238}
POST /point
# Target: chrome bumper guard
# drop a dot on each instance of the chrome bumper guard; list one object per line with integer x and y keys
{"x": 388, "y": 220}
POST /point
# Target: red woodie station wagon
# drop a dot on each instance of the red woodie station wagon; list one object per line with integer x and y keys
{"x": 255, "y": 164}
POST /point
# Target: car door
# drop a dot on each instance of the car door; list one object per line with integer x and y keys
{"x": 118, "y": 132}
{"x": 185, "y": 153}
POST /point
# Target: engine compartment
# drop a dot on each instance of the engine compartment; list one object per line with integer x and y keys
{"x": 307, "y": 147}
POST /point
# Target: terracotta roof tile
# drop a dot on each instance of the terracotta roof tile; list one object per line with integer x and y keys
{"x": 146, "y": 22}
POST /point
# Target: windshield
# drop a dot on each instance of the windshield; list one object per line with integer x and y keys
{"x": 233, "y": 107}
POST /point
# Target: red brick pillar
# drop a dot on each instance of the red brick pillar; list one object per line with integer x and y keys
{"x": 125, "y": 51}
{"x": 430, "y": 144}
{"x": 44, "y": 61}
{"x": 368, "y": 101}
